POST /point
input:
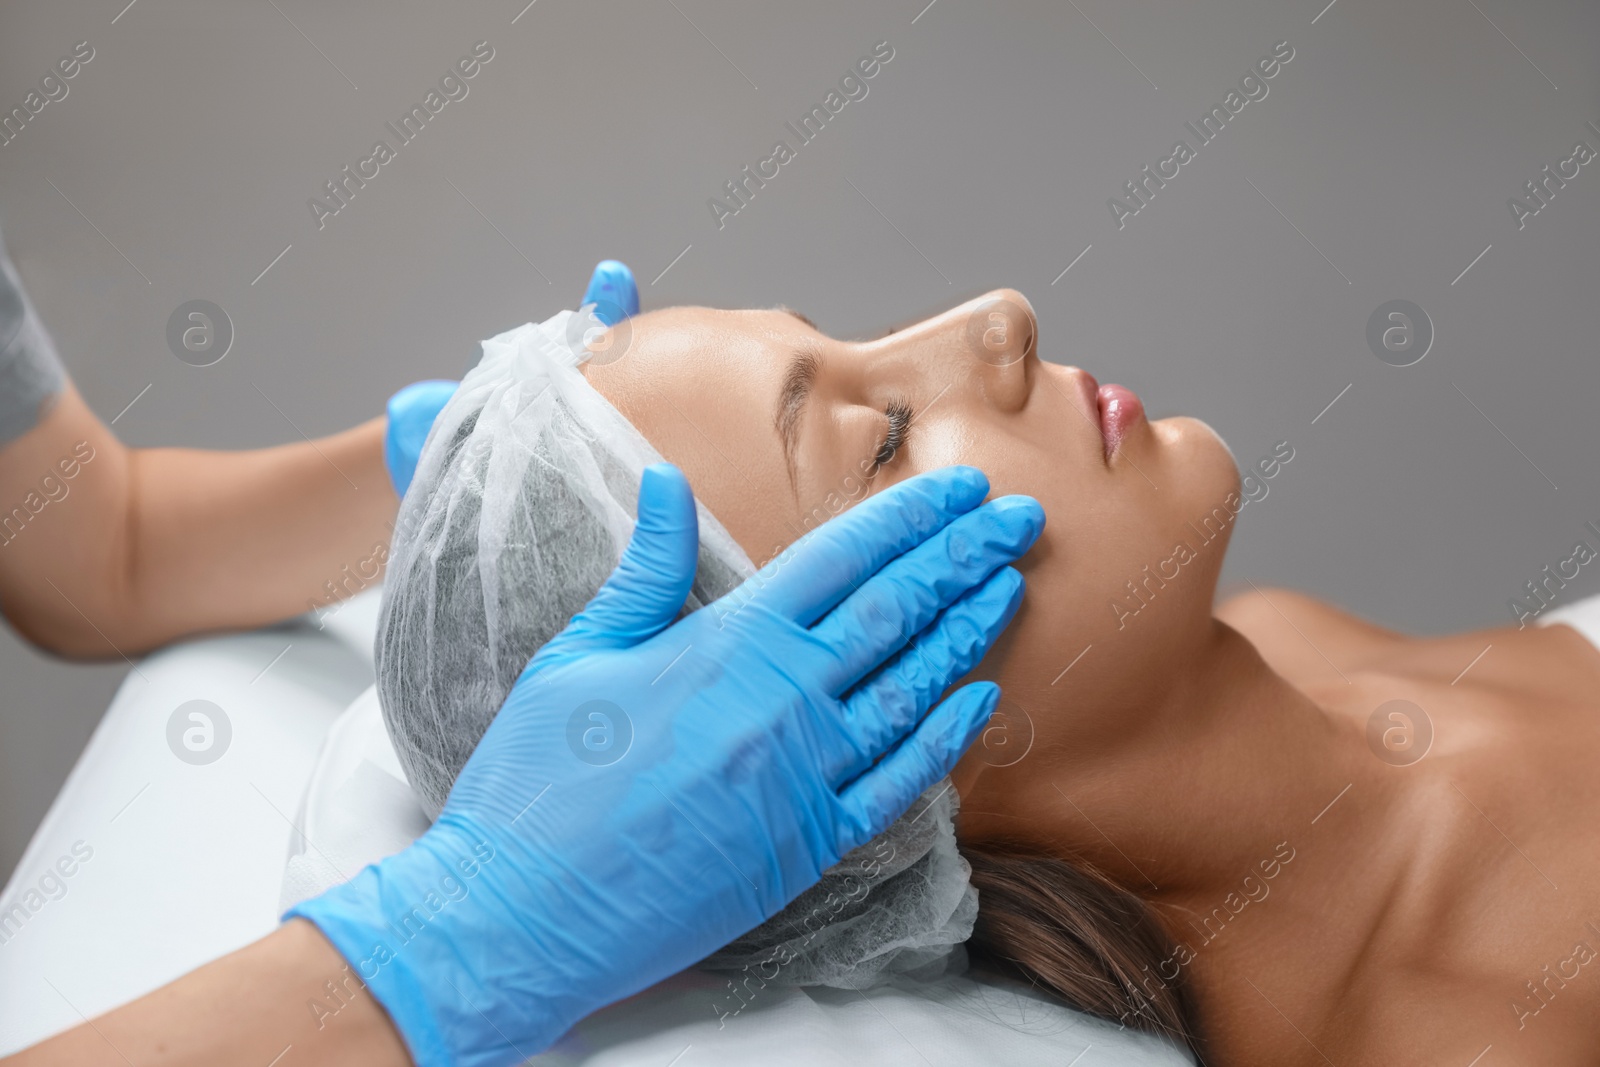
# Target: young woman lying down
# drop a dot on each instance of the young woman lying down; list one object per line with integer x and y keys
{"x": 1265, "y": 828}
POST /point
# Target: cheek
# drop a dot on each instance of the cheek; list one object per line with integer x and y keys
{"x": 1013, "y": 463}
{"x": 1108, "y": 571}
{"x": 941, "y": 442}
{"x": 1069, "y": 647}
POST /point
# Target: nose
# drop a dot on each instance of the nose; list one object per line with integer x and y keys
{"x": 1001, "y": 327}
{"x": 986, "y": 347}
{"x": 1000, "y": 336}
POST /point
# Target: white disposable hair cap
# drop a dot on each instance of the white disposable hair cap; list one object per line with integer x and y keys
{"x": 524, "y": 498}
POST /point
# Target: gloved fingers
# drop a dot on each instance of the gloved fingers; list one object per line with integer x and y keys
{"x": 885, "y": 707}
{"x": 879, "y": 618}
{"x": 881, "y": 795}
{"x": 648, "y": 588}
{"x": 613, "y": 292}
{"x": 412, "y": 412}
{"x": 822, "y": 568}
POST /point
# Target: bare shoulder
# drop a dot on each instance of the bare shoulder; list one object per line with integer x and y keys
{"x": 1312, "y": 643}
{"x": 1307, "y": 640}
{"x": 1267, "y": 611}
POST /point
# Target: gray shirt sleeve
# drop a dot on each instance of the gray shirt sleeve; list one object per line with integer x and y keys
{"x": 31, "y": 375}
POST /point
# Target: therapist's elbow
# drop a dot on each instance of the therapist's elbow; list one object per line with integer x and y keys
{"x": 57, "y": 638}
{"x": 84, "y": 628}
{"x": 79, "y": 603}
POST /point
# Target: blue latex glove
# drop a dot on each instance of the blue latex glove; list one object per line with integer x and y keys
{"x": 652, "y": 789}
{"x": 411, "y": 414}
{"x": 412, "y": 410}
{"x": 612, "y": 292}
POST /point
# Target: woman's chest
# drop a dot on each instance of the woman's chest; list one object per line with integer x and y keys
{"x": 1494, "y": 943}
{"x": 1449, "y": 903}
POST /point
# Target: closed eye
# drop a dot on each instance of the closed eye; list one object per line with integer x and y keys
{"x": 899, "y": 413}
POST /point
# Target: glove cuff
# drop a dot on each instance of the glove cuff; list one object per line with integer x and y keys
{"x": 404, "y": 927}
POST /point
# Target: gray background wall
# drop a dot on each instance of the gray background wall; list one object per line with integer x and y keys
{"x": 1377, "y": 168}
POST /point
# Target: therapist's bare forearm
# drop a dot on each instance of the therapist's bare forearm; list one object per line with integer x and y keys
{"x": 252, "y": 537}
{"x": 106, "y": 550}
{"x": 289, "y": 997}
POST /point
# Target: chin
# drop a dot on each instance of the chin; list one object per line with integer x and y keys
{"x": 1197, "y": 459}
{"x": 1187, "y": 432}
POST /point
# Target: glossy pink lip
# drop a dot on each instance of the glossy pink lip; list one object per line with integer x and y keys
{"x": 1120, "y": 411}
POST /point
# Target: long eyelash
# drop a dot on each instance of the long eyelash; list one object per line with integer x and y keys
{"x": 899, "y": 413}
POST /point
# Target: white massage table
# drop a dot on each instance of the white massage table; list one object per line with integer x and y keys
{"x": 187, "y": 862}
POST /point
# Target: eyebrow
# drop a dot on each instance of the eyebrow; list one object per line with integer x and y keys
{"x": 798, "y": 381}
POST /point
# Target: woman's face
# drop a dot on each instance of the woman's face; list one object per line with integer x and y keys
{"x": 779, "y": 427}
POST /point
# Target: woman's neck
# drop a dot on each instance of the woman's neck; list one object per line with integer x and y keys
{"x": 1210, "y": 776}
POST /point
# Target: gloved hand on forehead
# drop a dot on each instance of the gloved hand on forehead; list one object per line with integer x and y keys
{"x": 750, "y": 745}
{"x": 413, "y": 409}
